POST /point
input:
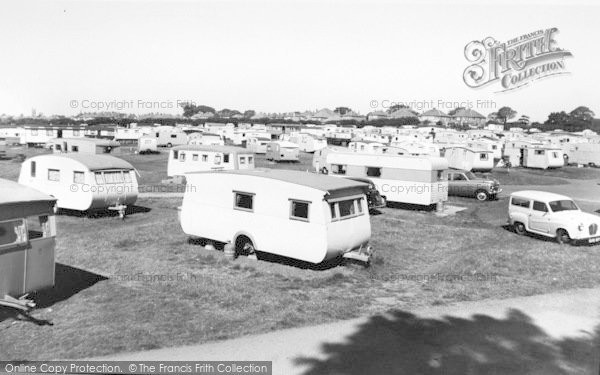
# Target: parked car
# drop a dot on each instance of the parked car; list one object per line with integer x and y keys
{"x": 552, "y": 215}
{"x": 464, "y": 183}
{"x": 374, "y": 199}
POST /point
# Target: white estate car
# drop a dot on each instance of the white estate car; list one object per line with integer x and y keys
{"x": 552, "y": 215}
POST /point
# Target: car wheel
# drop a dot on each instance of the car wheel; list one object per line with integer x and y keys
{"x": 481, "y": 195}
{"x": 519, "y": 228}
{"x": 243, "y": 245}
{"x": 562, "y": 236}
{"x": 384, "y": 201}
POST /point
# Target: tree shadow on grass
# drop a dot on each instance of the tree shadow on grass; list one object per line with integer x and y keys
{"x": 68, "y": 282}
{"x": 402, "y": 343}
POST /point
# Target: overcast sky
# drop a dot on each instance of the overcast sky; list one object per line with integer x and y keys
{"x": 277, "y": 56}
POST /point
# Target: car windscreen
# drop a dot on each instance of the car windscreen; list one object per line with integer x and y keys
{"x": 563, "y": 205}
{"x": 470, "y": 175}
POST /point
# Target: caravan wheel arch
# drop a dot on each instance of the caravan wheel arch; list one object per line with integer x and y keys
{"x": 245, "y": 234}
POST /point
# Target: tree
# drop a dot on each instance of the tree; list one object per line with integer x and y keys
{"x": 582, "y": 113}
{"x": 396, "y": 107}
{"x": 249, "y": 113}
{"x": 342, "y": 110}
{"x": 190, "y": 109}
{"x": 506, "y": 113}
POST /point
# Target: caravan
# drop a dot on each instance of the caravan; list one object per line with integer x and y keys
{"x": 542, "y": 157}
{"x": 82, "y": 182}
{"x": 27, "y": 231}
{"x": 258, "y": 145}
{"x": 282, "y": 151}
{"x": 196, "y": 158}
{"x": 84, "y": 146}
{"x": 299, "y": 215}
{"x": 416, "y": 180}
{"x": 469, "y": 159}
{"x": 583, "y": 153}
{"x": 308, "y": 142}
{"x": 365, "y": 146}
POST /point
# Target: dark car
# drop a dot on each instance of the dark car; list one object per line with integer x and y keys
{"x": 466, "y": 184}
{"x": 374, "y": 199}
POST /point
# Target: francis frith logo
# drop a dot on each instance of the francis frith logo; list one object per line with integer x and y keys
{"x": 514, "y": 63}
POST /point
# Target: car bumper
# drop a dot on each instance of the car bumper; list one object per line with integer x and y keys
{"x": 587, "y": 241}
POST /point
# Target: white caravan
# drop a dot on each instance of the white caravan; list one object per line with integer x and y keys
{"x": 197, "y": 158}
{"x": 205, "y": 139}
{"x": 416, "y": 180}
{"x": 27, "y": 231}
{"x": 82, "y": 182}
{"x": 282, "y": 151}
{"x": 469, "y": 159}
{"x": 169, "y": 136}
{"x": 258, "y": 145}
{"x": 294, "y": 214}
{"x": 308, "y": 142}
{"x": 84, "y": 146}
{"x": 147, "y": 145}
{"x": 365, "y": 146}
{"x": 542, "y": 157}
{"x": 584, "y": 153}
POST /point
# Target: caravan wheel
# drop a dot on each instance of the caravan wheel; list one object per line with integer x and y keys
{"x": 243, "y": 245}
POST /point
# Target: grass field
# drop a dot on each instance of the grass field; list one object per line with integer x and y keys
{"x": 138, "y": 284}
{"x": 144, "y": 286}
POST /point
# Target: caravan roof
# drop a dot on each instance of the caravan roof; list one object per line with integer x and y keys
{"x": 96, "y": 141}
{"x": 93, "y": 162}
{"x": 388, "y": 160}
{"x": 324, "y": 183}
{"x": 13, "y": 193}
{"x": 212, "y": 148}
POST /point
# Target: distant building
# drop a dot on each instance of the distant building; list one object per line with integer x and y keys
{"x": 434, "y": 116}
{"x": 469, "y": 117}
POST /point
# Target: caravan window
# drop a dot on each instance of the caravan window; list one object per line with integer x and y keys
{"x": 76, "y": 133}
{"x": 34, "y": 132}
{"x": 38, "y": 227}
{"x": 49, "y": 132}
{"x": 250, "y": 160}
{"x": 173, "y": 136}
{"x": 53, "y": 175}
{"x": 217, "y": 159}
{"x": 12, "y": 232}
{"x": 182, "y": 156}
{"x": 555, "y": 155}
{"x": 99, "y": 178}
{"x": 78, "y": 177}
{"x": 225, "y": 158}
{"x": 243, "y": 201}
{"x": 127, "y": 176}
{"x": 373, "y": 171}
{"x": 483, "y": 156}
{"x": 194, "y": 157}
{"x": 242, "y": 160}
{"x": 346, "y": 209}
{"x": 113, "y": 177}
{"x": 75, "y": 148}
{"x": 338, "y": 169}
{"x": 175, "y": 154}
{"x": 539, "y": 152}
{"x": 33, "y": 169}
{"x": 299, "y": 210}
{"x": 204, "y": 157}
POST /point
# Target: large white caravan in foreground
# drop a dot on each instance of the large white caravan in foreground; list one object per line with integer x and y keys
{"x": 197, "y": 158}
{"x": 27, "y": 231}
{"x": 416, "y": 180}
{"x": 82, "y": 182}
{"x": 294, "y": 214}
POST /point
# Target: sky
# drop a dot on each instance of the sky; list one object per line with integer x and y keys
{"x": 280, "y": 56}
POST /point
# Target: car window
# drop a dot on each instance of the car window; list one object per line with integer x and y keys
{"x": 563, "y": 205}
{"x": 459, "y": 177}
{"x": 521, "y": 202}
{"x": 540, "y": 206}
